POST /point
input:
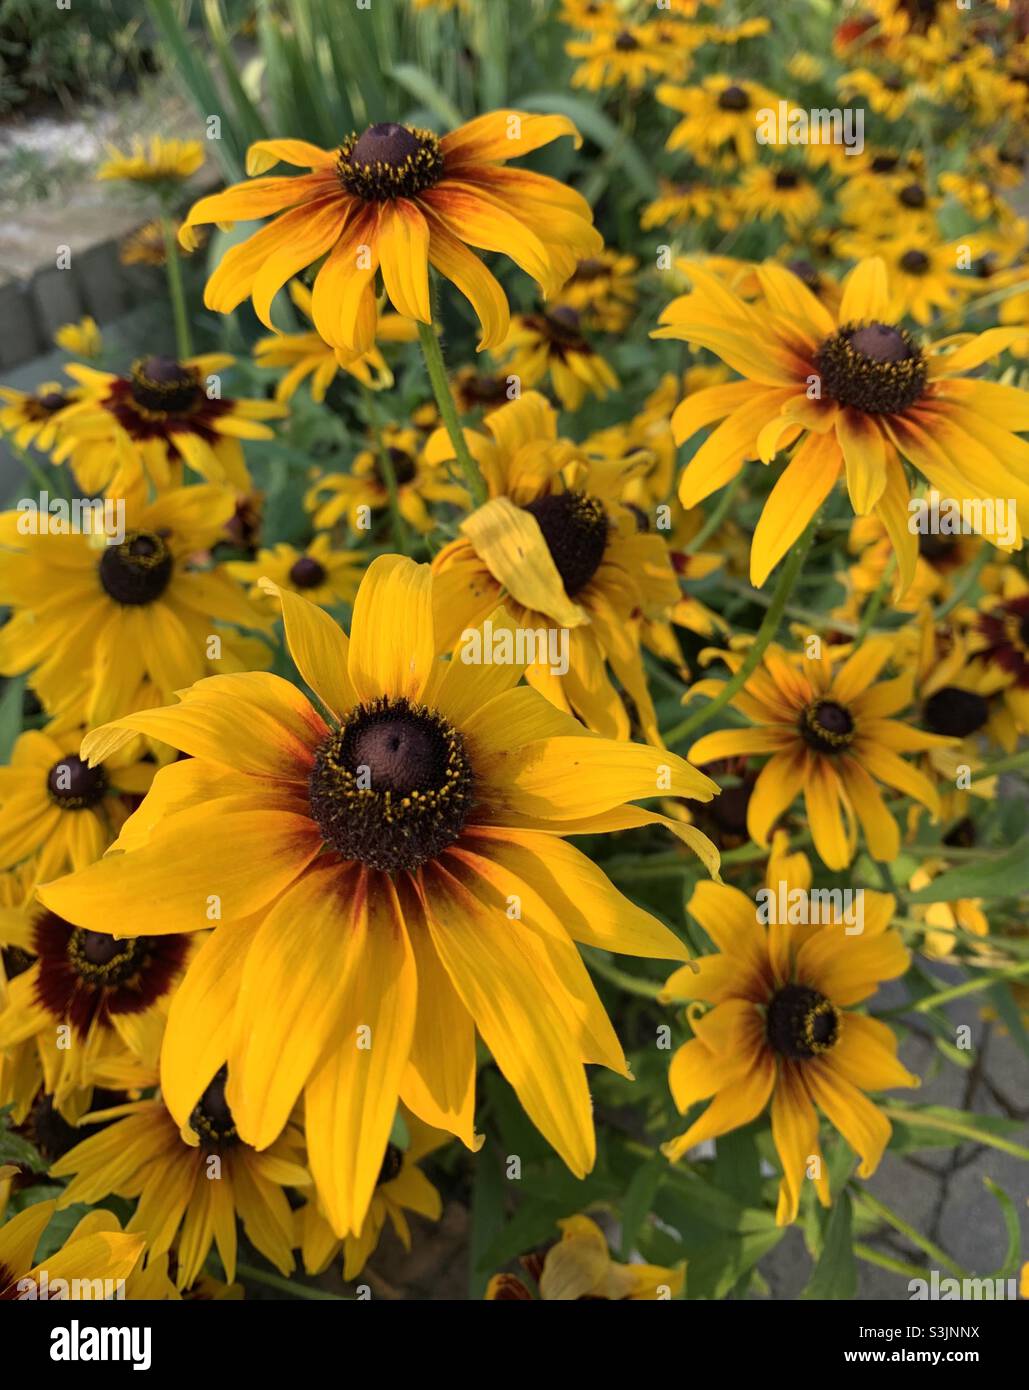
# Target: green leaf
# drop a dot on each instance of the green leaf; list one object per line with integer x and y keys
{"x": 936, "y": 1126}
{"x": 421, "y": 86}
{"x": 639, "y": 1198}
{"x": 400, "y": 1134}
{"x": 1005, "y": 877}
{"x": 488, "y": 1218}
{"x": 1012, "y": 1256}
{"x": 835, "y": 1274}
{"x": 1004, "y": 1003}
{"x": 10, "y": 715}
{"x": 603, "y": 132}
{"x": 738, "y": 1166}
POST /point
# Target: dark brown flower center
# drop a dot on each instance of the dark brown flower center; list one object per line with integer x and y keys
{"x": 16, "y": 960}
{"x": 590, "y": 269}
{"x": 307, "y": 573}
{"x": 389, "y": 161}
{"x": 802, "y": 1023}
{"x": 914, "y": 262}
{"x": 786, "y": 179}
{"x": 575, "y": 527}
{"x": 956, "y": 712}
{"x": 564, "y": 327}
{"x": 884, "y": 163}
{"x": 733, "y": 98}
{"x": 912, "y": 195}
{"x": 52, "y": 401}
{"x": 86, "y": 977}
{"x": 806, "y": 272}
{"x": 626, "y": 42}
{"x": 484, "y": 390}
{"x": 826, "y": 726}
{"x": 102, "y": 959}
{"x": 138, "y": 570}
{"x": 874, "y": 367}
{"x": 935, "y": 547}
{"x": 404, "y": 467}
{"x": 392, "y": 1162}
{"x": 393, "y": 786}
{"x": 211, "y": 1118}
{"x": 75, "y": 786}
{"x": 165, "y": 386}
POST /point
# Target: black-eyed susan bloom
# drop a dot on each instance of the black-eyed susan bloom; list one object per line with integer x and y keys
{"x": 719, "y": 119}
{"x": 307, "y": 357}
{"x": 153, "y": 162}
{"x": 359, "y": 494}
{"x": 855, "y": 394}
{"x": 602, "y": 291}
{"x": 402, "y": 1187}
{"x": 781, "y": 1026}
{"x": 398, "y": 199}
{"x": 82, "y": 1009}
{"x": 164, "y": 416}
{"x": 33, "y": 418}
{"x": 56, "y": 812}
{"x": 579, "y": 1266}
{"x": 146, "y": 617}
{"x": 191, "y": 1181}
{"x": 319, "y": 571}
{"x": 390, "y": 876}
{"x": 95, "y": 1260}
{"x": 828, "y": 734}
{"x": 552, "y": 345}
{"x": 575, "y": 570}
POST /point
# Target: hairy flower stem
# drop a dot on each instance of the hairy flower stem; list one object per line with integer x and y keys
{"x": 433, "y": 355}
{"x": 769, "y": 627}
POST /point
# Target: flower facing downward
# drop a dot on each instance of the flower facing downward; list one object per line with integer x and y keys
{"x": 390, "y": 875}
{"x": 579, "y": 1266}
{"x": 396, "y": 199}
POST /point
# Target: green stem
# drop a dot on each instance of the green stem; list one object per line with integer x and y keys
{"x": 276, "y": 1281}
{"x": 875, "y": 1257}
{"x": 916, "y": 1238}
{"x": 944, "y": 996}
{"x": 962, "y": 590}
{"x": 173, "y": 270}
{"x": 35, "y": 470}
{"x": 646, "y": 989}
{"x": 922, "y": 1120}
{"x": 1015, "y": 763}
{"x": 389, "y": 475}
{"x": 433, "y": 354}
{"x": 769, "y": 627}
{"x": 871, "y": 609}
{"x": 716, "y": 518}
{"x": 818, "y": 621}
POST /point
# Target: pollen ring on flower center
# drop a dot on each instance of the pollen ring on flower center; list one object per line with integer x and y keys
{"x": 393, "y": 786}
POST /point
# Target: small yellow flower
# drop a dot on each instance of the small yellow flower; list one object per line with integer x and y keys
{"x": 82, "y": 339}
{"x": 156, "y": 162}
{"x": 325, "y": 575}
{"x": 580, "y": 1266}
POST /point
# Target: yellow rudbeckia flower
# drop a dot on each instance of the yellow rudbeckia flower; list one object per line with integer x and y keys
{"x": 388, "y": 867}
